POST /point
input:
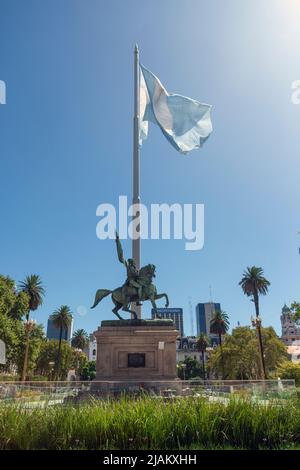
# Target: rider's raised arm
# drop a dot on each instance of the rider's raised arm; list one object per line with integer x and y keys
{"x": 120, "y": 250}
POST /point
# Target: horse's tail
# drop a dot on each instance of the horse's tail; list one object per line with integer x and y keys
{"x": 100, "y": 294}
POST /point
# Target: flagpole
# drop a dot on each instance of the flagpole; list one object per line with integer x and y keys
{"x": 136, "y": 243}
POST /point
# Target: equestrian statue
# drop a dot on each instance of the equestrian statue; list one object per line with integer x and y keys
{"x": 137, "y": 288}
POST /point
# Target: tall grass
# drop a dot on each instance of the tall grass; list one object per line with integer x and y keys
{"x": 146, "y": 423}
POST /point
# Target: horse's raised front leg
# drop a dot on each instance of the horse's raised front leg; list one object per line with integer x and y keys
{"x": 160, "y": 296}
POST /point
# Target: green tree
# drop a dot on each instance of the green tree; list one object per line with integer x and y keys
{"x": 10, "y": 332}
{"x": 88, "y": 372}
{"x": 289, "y": 370}
{"x": 33, "y": 287}
{"x": 37, "y": 339}
{"x": 219, "y": 325}
{"x": 80, "y": 339}
{"x": 240, "y": 358}
{"x": 202, "y": 344}
{"x": 13, "y": 306}
{"x": 255, "y": 284}
{"x": 12, "y": 303}
{"x": 62, "y": 318}
{"x": 48, "y": 356}
{"x": 188, "y": 369}
{"x": 295, "y": 309}
{"x": 274, "y": 349}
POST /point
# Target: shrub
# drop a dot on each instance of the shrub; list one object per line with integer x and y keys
{"x": 290, "y": 370}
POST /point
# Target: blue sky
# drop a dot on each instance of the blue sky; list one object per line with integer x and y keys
{"x": 66, "y": 146}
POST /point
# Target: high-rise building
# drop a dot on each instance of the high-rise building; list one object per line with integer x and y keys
{"x": 53, "y": 332}
{"x": 204, "y": 315}
{"x": 175, "y": 314}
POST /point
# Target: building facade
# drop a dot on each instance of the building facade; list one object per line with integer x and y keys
{"x": 175, "y": 314}
{"x": 187, "y": 347}
{"x": 290, "y": 332}
{"x": 204, "y": 315}
{"x": 53, "y": 332}
{"x": 294, "y": 352}
{"x": 91, "y": 349}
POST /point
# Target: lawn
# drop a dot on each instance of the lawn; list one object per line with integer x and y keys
{"x": 148, "y": 423}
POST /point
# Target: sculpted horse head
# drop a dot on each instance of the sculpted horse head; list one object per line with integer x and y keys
{"x": 147, "y": 272}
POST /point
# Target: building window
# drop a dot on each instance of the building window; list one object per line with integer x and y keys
{"x": 94, "y": 352}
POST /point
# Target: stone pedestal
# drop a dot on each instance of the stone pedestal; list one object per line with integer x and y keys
{"x": 136, "y": 351}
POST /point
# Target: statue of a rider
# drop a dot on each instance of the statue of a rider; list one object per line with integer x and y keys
{"x": 137, "y": 287}
{"x": 133, "y": 278}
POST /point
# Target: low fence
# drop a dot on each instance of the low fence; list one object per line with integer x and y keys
{"x": 248, "y": 388}
{"x": 51, "y": 393}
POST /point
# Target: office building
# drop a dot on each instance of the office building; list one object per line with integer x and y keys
{"x": 175, "y": 314}
{"x": 204, "y": 314}
{"x": 53, "y": 332}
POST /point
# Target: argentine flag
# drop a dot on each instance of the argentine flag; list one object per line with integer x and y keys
{"x": 184, "y": 122}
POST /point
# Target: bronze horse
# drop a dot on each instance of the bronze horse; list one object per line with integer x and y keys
{"x": 123, "y": 296}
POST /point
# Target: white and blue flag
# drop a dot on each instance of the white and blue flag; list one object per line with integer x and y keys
{"x": 184, "y": 122}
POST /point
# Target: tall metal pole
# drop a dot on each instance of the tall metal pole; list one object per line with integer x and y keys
{"x": 136, "y": 243}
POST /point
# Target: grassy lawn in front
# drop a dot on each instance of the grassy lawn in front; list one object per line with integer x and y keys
{"x": 147, "y": 423}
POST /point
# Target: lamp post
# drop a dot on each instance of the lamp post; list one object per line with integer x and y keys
{"x": 182, "y": 367}
{"x": 77, "y": 351}
{"x": 256, "y": 323}
{"x": 28, "y": 327}
{"x": 51, "y": 367}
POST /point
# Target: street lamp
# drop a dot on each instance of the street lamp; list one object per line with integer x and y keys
{"x": 78, "y": 351}
{"x": 29, "y": 326}
{"x": 51, "y": 367}
{"x": 183, "y": 367}
{"x": 256, "y": 323}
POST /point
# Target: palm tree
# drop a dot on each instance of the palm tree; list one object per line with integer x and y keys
{"x": 80, "y": 339}
{"x": 202, "y": 344}
{"x": 219, "y": 325}
{"x": 254, "y": 284}
{"x": 35, "y": 291}
{"x": 62, "y": 318}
